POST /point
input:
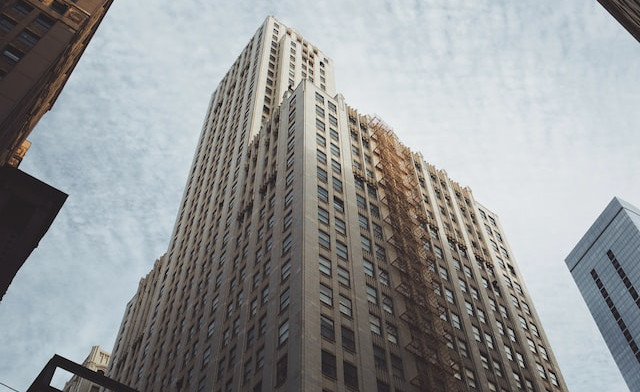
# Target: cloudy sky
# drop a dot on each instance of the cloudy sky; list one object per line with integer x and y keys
{"x": 532, "y": 104}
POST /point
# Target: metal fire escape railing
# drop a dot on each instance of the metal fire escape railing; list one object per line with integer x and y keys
{"x": 415, "y": 263}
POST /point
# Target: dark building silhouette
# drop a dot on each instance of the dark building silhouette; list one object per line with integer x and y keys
{"x": 28, "y": 206}
{"x": 627, "y": 12}
{"x": 41, "y": 42}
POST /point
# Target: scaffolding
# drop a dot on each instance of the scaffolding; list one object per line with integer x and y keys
{"x": 436, "y": 370}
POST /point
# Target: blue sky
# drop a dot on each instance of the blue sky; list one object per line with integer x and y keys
{"x": 533, "y": 105}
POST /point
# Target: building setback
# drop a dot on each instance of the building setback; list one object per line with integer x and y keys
{"x": 315, "y": 252}
{"x": 605, "y": 266}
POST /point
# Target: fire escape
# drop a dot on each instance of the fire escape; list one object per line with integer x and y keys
{"x": 415, "y": 263}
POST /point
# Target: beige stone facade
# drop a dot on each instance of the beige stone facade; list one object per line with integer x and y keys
{"x": 314, "y": 252}
{"x": 97, "y": 360}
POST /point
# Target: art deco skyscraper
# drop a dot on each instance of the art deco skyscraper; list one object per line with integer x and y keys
{"x": 605, "y": 266}
{"x": 314, "y": 252}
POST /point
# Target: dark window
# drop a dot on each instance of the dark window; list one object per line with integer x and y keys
{"x": 328, "y": 364}
{"x": 281, "y": 371}
{"x": 12, "y": 54}
{"x": 326, "y": 327}
{"x": 396, "y": 367}
{"x": 348, "y": 339}
{"x": 383, "y": 386}
{"x": 350, "y": 375}
{"x": 379, "y": 357}
{"x": 22, "y": 8}
{"x": 6, "y": 24}
{"x": 59, "y": 7}
{"x": 43, "y": 22}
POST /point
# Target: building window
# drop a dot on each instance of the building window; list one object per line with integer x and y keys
{"x": 387, "y": 304}
{"x": 323, "y": 216}
{"x": 285, "y": 270}
{"x": 327, "y": 328}
{"x": 286, "y": 244}
{"x": 324, "y": 265}
{"x": 383, "y": 277}
{"x": 284, "y": 299}
{"x": 336, "y": 167}
{"x": 350, "y": 373}
{"x": 375, "y": 325}
{"x": 348, "y": 339}
{"x": 28, "y": 38}
{"x": 341, "y": 228}
{"x": 337, "y": 185}
{"x": 345, "y": 305}
{"x": 322, "y": 157}
{"x": 283, "y": 332}
{"x": 22, "y": 8}
{"x": 323, "y": 194}
{"x": 462, "y": 345}
{"x": 326, "y": 295}
{"x": 455, "y": 320}
{"x": 12, "y": 54}
{"x": 281, "y": 370}
{"x": 43, "y": 22}
{"x": 343, "y": 277}
{"x": 396, "y": 367}
{"x": 369, "y": 269}
{"x": 554, "y": 379}
{"x": 59, "y": 7}
{"x": 324, "y": 239}
{"x": 335, "y": 150}
{"x": 288, "y": 198}
{"x": 259, "y": 359}
{"x": 372, "y": 295}
{"x": 262, "y": 325}
{"x": 322, "y": 174}
{"x": 6, "y": 24}
{"x": 379, "y": 357}
{"x": 366, "y": 243}
{"x": 342, "y": 251}
{"x": 392, "y": 333}
{"x": 328, "y": 364}
{"x": 471, "y": 378}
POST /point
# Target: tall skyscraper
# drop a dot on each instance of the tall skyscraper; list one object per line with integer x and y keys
{"x": 626, "y": 12}
{"x": 315, "y": 252}
{"x": 41, "y": 42}
{"x": 605, "y": 266}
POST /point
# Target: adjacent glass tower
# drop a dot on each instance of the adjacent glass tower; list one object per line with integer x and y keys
{"x": 606, "y": 267}
{"x": 315, "y": 252}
